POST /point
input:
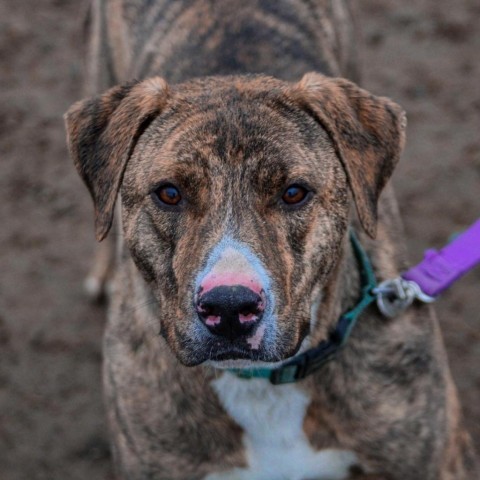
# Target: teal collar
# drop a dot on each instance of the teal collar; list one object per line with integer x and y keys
{"x": 310, "y": 361}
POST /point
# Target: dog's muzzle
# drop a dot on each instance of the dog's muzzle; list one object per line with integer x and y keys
{"x": 233, "y": 307}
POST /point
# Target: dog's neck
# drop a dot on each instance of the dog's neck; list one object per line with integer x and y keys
{"x": 339, "y": 294}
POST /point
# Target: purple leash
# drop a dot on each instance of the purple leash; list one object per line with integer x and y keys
{"x": 436, "y": 272}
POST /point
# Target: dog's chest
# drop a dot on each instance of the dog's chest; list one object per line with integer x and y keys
{"x": 275, "y": 444}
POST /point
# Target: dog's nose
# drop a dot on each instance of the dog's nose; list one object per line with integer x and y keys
{"x": 230, "y": 311}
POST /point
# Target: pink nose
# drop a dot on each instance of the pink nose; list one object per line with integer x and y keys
{"x": 227, "y": 279}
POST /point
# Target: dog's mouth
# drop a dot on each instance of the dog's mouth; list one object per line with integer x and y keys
{"x": 251, "y": 348}
{"x": 258, "y": 350}
{"x": 233, "y": 353}
{"x": 208, "y": 348}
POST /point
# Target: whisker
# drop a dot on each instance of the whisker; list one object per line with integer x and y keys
{"x": 135, "y": 308}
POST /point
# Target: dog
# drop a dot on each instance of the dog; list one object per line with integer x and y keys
{"x": 243, "y": 180}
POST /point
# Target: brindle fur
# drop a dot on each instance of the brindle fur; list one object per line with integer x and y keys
{"x": 233, "y": 143}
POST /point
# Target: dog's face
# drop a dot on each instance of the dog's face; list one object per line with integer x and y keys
{"x": 234, "y": 206}
{"x": 235, "y": 199}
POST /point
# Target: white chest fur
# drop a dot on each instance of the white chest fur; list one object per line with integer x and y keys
{"x": 276, "y": 446}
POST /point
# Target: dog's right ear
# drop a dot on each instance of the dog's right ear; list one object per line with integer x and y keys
{"x": 102, "y": 132}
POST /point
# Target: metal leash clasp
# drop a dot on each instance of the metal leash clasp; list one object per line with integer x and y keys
{"x": 394, "y": 296}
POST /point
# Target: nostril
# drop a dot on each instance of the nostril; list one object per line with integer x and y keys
{"x": 204, "y": 309}
{"x": 207, "y": 312}
{"x": 249, "y": 312}
{"x": 247, "y": 317}
{"x": 212, "y": 320}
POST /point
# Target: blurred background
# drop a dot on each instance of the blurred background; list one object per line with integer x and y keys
{"x": 422, "y": 53}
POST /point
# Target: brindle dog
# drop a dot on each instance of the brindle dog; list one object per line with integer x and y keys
{"x": 236, "y": 193}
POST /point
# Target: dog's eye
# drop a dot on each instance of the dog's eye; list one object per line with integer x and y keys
{"x": 168, "y": 194}
{"x": 295, "y": 195}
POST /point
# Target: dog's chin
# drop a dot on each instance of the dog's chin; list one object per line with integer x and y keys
{"x": 243, "y": 364}
{"x": 204, "y": 348}
{"x": 228, "y": 357}
{"x": 257, "y": 363}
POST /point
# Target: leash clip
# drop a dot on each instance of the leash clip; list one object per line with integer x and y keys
{"x": 394, "y": 296}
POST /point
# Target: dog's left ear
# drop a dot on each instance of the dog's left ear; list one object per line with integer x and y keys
{"x": 368, "y": 133}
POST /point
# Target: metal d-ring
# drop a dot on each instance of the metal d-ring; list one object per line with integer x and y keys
{"x": 394, "y": 296}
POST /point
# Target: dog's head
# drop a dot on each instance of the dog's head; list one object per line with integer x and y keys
{"x": 235, "y": 198}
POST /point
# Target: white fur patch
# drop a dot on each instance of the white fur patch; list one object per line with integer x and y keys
{"x": 276, "y": 446}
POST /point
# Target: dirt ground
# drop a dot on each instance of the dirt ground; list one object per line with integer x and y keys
{"x": 423, "y": 53}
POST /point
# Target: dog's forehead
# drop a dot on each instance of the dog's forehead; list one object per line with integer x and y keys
{"x": 227, "y": 115}
{"x": 210, "y": 124}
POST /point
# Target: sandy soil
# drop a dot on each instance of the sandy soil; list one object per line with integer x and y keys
{"x": 423, "y": 53}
